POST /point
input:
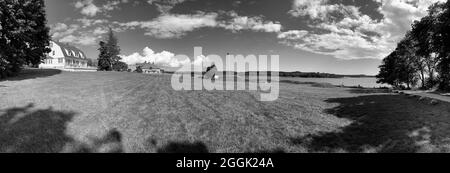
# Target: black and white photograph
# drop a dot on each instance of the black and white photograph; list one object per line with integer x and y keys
{"x": 225, "y": 77}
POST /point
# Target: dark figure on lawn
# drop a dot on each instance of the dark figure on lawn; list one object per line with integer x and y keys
{"x": 210, "y": 72}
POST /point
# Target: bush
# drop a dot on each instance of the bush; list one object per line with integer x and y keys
{"x": 138, "y": 69}
{"x": 120, "y": 66}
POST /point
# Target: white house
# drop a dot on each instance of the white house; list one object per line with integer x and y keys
{"x": 150, "y": 68}
{"x": 64, "y": 56}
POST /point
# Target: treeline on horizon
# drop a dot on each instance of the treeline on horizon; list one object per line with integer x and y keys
{"x": 421, "y": 58}
{"x": 281, "y": 74}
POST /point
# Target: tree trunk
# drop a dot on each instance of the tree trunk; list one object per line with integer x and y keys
{"x": 422, "y": 73}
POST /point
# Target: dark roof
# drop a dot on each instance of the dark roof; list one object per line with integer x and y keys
{"x": 65, "y": 46}
{"x": 148, "y": 66}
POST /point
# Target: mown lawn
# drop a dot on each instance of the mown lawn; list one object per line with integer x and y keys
{"x": 52, "y": 111}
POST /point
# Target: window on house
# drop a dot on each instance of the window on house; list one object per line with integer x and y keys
{"x": 68, "y": 52}
{"x": 53, "y": 53}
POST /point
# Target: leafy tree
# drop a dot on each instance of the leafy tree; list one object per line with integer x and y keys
{"x": 91, "y": 63}
{"x": 401, "y": 67}
{"x": 109, "y": 54}
{"x": 442, "y": 43}
{"x": 388, "y": 71}
{"x": 138, "y": 69}
{"x": 24, "y": 36}
{"x": 424, "y": 31}
{"x": 425, "y": 49}
{"x": 104, "y": 61}
{"x": 120, "y": 66}
{"x": 113, "y": 50}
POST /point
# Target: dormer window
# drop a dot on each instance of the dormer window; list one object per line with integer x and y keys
{"x": 67, "y": 52}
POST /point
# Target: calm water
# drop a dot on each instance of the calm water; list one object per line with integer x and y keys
{"x": 364, "y": 82}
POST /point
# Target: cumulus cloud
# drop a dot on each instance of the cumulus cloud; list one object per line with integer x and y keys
{"x": 346, "y": 33}
{"x": 164, "y": 58}
{"x": 79, "y": 33}
{"x": 88, "y": 7}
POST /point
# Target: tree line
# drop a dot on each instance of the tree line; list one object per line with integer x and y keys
{"x": 421, "y": 58}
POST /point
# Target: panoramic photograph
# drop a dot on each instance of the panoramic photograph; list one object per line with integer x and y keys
{"x": 224, "y": 76}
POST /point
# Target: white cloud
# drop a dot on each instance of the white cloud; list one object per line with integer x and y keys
{"x": 90, "y": 22}
{"x": 292, "y": 34}
{"x": 165, "y": 58}
{"x": 87, "y": 7}
{"x": 352, "y": 35}
{"x": 100, "y": 31}
{"x": 59, "y": 27}
{"x": 175, "y": 25}
{"x": 164, "y": 6}
{"x": 255, "y": 23}
{"x": 60, "y": 30}
{"x": 79, "y": 33}
{"x": 201, "y": 61}
{"x": 84, "y": 40}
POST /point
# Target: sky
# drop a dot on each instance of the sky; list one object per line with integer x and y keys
{"x": 332, "y": 36}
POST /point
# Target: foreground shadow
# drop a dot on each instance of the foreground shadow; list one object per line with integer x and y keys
{"x": 110, "y": 143}
{"x": 41, "y": 131}
{"x": 28, "y": 130}
{"x": 33, "y": 74}
{"x": 184, "y": 147}
{"x": 384, "y": 123}
{"x": 368, "y": 91}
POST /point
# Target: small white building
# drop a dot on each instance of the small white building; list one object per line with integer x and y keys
{"x": 150, "y": 68}
{"x": 64, "y": 56}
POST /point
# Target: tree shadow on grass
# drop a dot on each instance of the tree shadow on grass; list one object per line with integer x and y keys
{"x": 110, "y": 143}
{"x": 33, "y": 74}
{"x": 27, "y": 130}
{"x": 273, "y": 151}
{"x": 184, "y": 147}
{"x": 23, "y": 130}
{"x": 383, "y": 123}
{"x": 369, "y": 91}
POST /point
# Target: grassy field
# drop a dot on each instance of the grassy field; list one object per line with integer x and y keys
{"x": 53, "y": 111}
